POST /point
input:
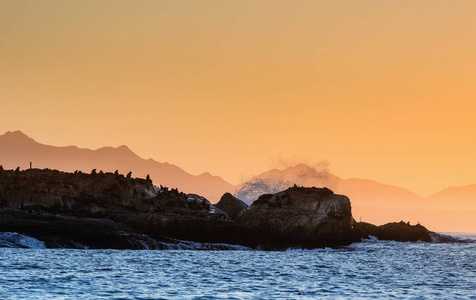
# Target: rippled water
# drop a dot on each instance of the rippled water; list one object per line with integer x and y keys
{"x": 372, "y": 269}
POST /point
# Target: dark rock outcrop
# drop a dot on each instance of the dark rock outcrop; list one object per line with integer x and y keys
{"x": 109, "y": 210}
{"x": 301, "y": 217}
{"x": 66, "y": 231}
{"x": 231, "y": 205}
{"x": 158, "y": 212}
{"x": 400, "y": 232}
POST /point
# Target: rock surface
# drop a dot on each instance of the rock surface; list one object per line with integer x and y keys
{"x": 109, "y": 210}
{"x": 400, "y": 232}
{"x": 133, "y": 204}
{"x": 301, "y": 217}
{"x": 66, "y": 231}
{"x": 231, "y": 205}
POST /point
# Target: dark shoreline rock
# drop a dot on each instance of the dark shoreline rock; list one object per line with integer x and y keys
{"x": 60, "y": 231}
{"x": 130, "y": 205}
{"x": 399, "y": 232}
{"x": 301, "y": 217}
{"x": 109, "y": 210}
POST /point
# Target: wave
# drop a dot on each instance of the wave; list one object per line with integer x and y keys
{"x": 187, "y": 245}
{"x": 435, "y": 238}
{"x": 326, "y": 249}
{"x": 137, "y": 241}
{"x": 446, "y": 238}
{"x": 144, "y": 242}
{"x": 17, "y": 240}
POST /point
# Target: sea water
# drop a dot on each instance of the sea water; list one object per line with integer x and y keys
{"x": 371, "y": 269}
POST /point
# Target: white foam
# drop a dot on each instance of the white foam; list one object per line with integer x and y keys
{"x": 446, "y": 238}
{"x": 188, "y": 245}
{"x": 17, "y": 240}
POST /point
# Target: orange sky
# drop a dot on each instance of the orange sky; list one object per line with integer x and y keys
{"x": 380, "y": 89}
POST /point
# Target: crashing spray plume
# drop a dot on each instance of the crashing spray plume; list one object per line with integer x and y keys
{"x": 285, "y": 174}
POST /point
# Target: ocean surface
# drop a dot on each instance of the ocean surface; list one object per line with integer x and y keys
{"x": 371, "y": 269}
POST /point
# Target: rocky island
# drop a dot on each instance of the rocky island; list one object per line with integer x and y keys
{"x": 109, "y": 210}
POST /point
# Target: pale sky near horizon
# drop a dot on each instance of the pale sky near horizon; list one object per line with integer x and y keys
{"x": 383, "y": 90}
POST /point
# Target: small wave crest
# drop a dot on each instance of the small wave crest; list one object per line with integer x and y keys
{"x": 370, "y": 239}
{"x": 144, "y": 242}
{"x": 326, "y": 249}
{"x": 188, "y": 245}
{"x": 17, "y": 240}
{"x": 446, "y": 238}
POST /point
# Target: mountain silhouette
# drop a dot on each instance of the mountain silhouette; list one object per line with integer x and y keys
{"x": 454, "y": 197}
{"x": 453, "y": 209}
{"x": 370, "y": 191}
{"x": 18, "y": 150}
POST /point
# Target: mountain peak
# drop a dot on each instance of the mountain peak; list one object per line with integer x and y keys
{"x": 16, "y": 137}
{"x": 300, "y": 167}
{"x": 124, "y": 148}
{"x": 303, "y": 170}
{"x": 121, "y": 150}
{"x": 206, "y": 174}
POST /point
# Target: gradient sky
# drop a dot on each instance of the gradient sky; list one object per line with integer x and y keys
{"x": 380, "y": 89}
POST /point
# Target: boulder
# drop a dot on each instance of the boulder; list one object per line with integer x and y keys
{"x": 301, "y": 217}
{"x": 363, "y": 230}
{"x": 404, "y": 232}
{"x": 400, "y": 232}
{"x": 231, "y": 205}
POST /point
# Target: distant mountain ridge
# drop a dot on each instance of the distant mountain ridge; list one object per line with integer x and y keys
{"x": 303, "y": 175}
{"x": 452, "y": 209}
{"x": 18, "y": 149}
{"x": 465, "y": 195}
{"x": 276, "y": 180}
